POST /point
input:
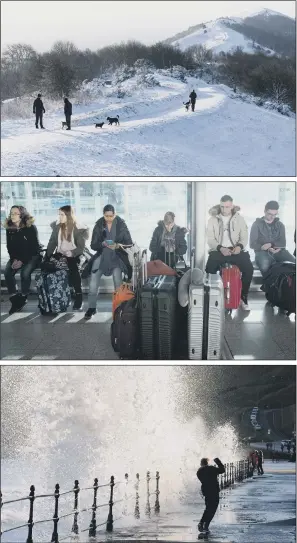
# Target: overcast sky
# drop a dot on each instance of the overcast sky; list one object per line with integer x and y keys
{"x": 95, "y": 24}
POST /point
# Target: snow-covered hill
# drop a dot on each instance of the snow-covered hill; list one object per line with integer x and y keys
{"x": 156, "y": 136}
{"x": 264, "y": 30}
{"x": 218, "y": 36}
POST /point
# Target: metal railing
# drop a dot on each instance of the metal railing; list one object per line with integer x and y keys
{"x": 235, "y": 472}
{"x": 93, "y": 526}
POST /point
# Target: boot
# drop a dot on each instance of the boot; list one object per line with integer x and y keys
{"x": 22, "y": 300}
{"x": 14, "y": 303}
{"x": 78, "y": 302}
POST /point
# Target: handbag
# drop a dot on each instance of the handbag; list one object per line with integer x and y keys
{"x": 54, "y": 263}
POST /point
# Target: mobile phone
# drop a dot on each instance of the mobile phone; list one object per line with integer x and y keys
{"x": 109, "y": 242}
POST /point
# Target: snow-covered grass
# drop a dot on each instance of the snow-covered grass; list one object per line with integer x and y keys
{"x": 156, "y": 136}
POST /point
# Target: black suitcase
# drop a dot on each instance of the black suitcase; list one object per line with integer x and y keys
{"x": 279, "y": 285}
{"x": 157, "y": 312}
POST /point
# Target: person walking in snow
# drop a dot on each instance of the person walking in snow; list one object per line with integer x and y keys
{"x": 67, "y": 112}
{"x": 38, "y": 111}
{"x": 208, "y": 476}
{"x": 193, "y": 97}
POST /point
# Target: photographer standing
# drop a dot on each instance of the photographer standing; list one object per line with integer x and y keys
{"x": 208, "y": 476}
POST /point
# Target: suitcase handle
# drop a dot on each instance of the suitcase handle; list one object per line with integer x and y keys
{"x": 144, "y": 266}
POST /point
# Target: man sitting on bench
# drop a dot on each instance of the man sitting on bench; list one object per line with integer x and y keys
{"x": 268, "y": 239}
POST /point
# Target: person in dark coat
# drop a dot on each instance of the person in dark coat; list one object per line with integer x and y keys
{"x": 38, "y": 110}
{"x": 69, "y": 239}
{"x": 193, "y": 98}
{"x": 260, "y": 462}
{"x": 24, "y": 250}
{"x": 68, "y": 112}
{"x": 208, "y": 476}
{"x": 268, "y": 239}
{"x": 168, "y": 241}
{"x": 110, "y": 231}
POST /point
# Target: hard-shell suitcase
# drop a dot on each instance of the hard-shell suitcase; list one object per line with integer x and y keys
{"x": 157, "y": 315}
{"x": 124, "y": 330}
{"x": 53, "y": 292}
{"x": 206, "y": 317}
{"x": 231, "y": 276}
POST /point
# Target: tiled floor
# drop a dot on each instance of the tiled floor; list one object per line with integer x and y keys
{"x": 261, "y": 334}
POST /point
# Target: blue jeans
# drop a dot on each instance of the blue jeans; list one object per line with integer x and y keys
{"x": 265, "y": 259}
{"x": 25, "y": 271}
{"x": 96, "y": 275}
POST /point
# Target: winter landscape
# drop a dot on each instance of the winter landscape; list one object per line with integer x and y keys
{"x": 243, "y": 123}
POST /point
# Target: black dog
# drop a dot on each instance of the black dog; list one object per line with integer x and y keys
{"x": 112, "y": 120}
{"x": 187, "y": 104}
{"x": 99, "y": 125}
{"x": 64, "y": 124}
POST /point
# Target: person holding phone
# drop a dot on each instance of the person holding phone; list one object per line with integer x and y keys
{"x": 268, "y": 239}
{"x": 110, "y": 232}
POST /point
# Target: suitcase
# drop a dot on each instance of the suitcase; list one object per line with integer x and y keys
{"x": 279, "y": 285}
{"x": 206, "y": 317}
{"x": 157, "y": 315}
{"x": 53, "y": 292}
{"x": 124, "y": 330}
{"x": 231, "y": 276}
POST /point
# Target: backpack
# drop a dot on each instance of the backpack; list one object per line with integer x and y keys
{"x": 280, "y": 286}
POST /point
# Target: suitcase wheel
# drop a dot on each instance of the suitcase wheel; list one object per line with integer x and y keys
{"x": 228, "y": 311}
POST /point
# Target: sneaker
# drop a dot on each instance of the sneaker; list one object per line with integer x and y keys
{"x": 206, "y": 528}
{"x": 244, "y": 304}
{"x": 78, "y": 302}
{"x": 36, "y": 126}
{"x": 200, "y": 527}
{"x": 90, "y": 312}
{"x": 43, "y": 127}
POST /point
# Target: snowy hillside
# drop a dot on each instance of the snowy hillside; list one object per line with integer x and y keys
{"x": 156, "y": 136}
{"x": 217, "y": 36}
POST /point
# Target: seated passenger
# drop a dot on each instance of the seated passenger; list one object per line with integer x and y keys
{"x": 109, "y": 231}
{"x": 268, "y": 239}
{"x": 227, "y": 237}
{"x": 69, "y": 239}
{"x": 168, "y": 242}
{"x": 23, "y": 248}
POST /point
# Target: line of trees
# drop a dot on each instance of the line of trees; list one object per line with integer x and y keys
{"x": 61, "y": 70}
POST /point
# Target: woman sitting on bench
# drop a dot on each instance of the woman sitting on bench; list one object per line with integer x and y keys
{"x": 23, "y": 248}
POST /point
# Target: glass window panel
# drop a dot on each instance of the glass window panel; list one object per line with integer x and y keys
{"x": 252, "y": 197}
{"x": 140, "y": 204}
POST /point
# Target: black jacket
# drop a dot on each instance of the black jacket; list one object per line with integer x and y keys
{"x": 38, "y": 106}
{"x": 67, "y": 108}
{"x": 193, "y": 96}
{"x": 158, "y": 251}
{"x": 262, "y": 233}
{"x": 99, "y": 236}
{"x": 208, "y": 476}
{"x": 22, "y": 243}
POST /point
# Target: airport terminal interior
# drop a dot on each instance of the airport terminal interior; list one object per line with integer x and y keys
{"x": 263, "y": 333}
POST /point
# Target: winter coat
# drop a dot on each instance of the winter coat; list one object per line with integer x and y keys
{"x": 208, "y": 476}
{"x": 99, "y": 236}
{"x": 193, "y": 96}
{"x": 238, "y": 230}
{"x": 67, "y": 108}
{"x": 158, "y": 251}
{"x": 262, "y": 233}
{"x": 22, "y": 243}
{"x": 38, "y": 106}
{"x": 80, "y": 235}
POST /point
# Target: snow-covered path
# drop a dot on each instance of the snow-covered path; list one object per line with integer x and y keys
{"x": 223, "y": 137}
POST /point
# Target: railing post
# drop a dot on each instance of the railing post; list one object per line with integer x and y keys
{"x": 148, "y": 506}
{"x": 30, "y": 521}
{"x": 126, "y": 494}
{"x": 137, "y": 512}
{"x": 224, "y": 475}
{"x": 92, "y": 528}
{"x": 55, "y": 536}
{"x": 157, "y": 503}
{"x": 228, "y": 474}
{"x": 76, "y": 491}
{"x": 109, "y": 524}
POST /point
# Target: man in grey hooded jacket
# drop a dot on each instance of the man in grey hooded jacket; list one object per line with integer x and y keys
{"x": 268, "y": 239}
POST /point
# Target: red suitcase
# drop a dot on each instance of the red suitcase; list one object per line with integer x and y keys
{"x": 231, "y": 276}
